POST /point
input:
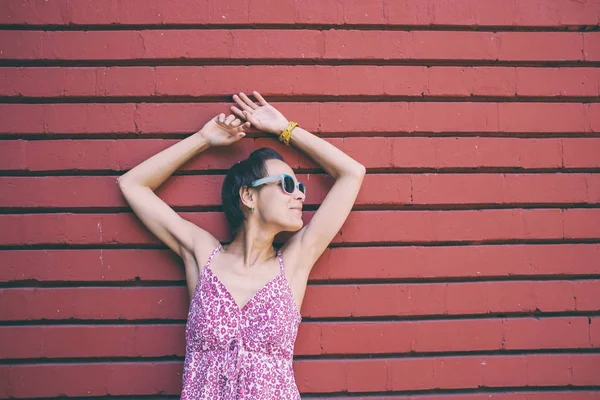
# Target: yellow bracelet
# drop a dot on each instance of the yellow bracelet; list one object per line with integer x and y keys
{"x": 286, "y": 135}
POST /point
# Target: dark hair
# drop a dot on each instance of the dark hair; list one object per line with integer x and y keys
{"x": 242, "y": 174}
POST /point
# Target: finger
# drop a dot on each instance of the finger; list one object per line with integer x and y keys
{"x": 236, "y": 122}
{"x": 244, "y": 127}
{"x": 238, "y": 112}
{"x": 248, "y": 101}
{"x": 229, "y": 119}
{"x": 248, "y": 117}
{"x": 236, "y": 137}
{"x": 241, "y": 103}
{"x": 260, "y": 99}
{"x": 221, "y": 118}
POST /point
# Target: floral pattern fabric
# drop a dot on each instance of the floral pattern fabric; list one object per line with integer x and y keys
{"x": 235, "y": 353}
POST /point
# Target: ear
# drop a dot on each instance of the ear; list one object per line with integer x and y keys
{"x": 247, "y": 197}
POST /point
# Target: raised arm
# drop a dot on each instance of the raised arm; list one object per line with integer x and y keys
{"x": 307, "y": 245}
{"x": 138, "y": 185}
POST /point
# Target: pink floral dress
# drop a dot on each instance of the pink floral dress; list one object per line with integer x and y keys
{"x": 240, "y": 353}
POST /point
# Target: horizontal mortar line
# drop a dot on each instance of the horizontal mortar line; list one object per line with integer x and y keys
{"x": 173, "y": 284}
{"x": 300, "y": 99}
{"x": 317, "y": 171}
{"x": 444, "y": 243}
{"x": 332, "y": 135}
{"x": 318, "y": 320}
{"x": 301, "y": 26}
{"x": 307, "y": 208}
{"x": 416, "y": 393}
{"x": 360, "y": 395}
{"x": 155, "y": 62}
{"x": 321, "y": 357}
{"x": 314, "y": 207}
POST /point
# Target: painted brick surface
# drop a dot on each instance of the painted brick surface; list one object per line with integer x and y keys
{"x": 468, "y": 269}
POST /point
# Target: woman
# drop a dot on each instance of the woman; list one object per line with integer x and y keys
{"x": 244, "y": 299}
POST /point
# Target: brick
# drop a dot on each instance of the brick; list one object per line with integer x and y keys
{"x": 591, "y": 43}
{"x": 21, "y": 45}
{"x": 594, "y": 324}
{"x": 581, "y": 152}
{"x": 50, "y": 82}
{"x": 548, "y": 368}
{"x": 412, "y": 374}
{"x": 94, "y": 379}
{"x": 351, "y": 44}
{"x": 558, "y": 81}
{"x": 556, "y": 13}
{"x": 155, "y": 12}
{"x": 473, "y": 13}
{"x": 130, "y": 81}
{"x": 511, "y": 188}
{"x": 90, "y": 118}
{"x": 579, "y": 224}
{"x": 364, "y": 12}
{"x": 361, "y": 81}
{"x": 91, "y": 45}
{"x": 19, "y": 118}
{"x": 411, "y": 12}
{"x": 592, "y": 117}
{"x": 472, "y": 81}
{"x": 491, "y": 225}
{"x": 450, "y": 372}
{"x": 546, "y": 333}
{"x": 428, "y": 45}
{"x": 453, "y": 117}
{"x": 504, "y": 371}
{"x": 539, "y": 117}
{"x": 586, "y": 295}
{"x": 324, "y": 376}
{"x": 228, "y": 12}
{"x": 585, "y": 370}
{"x": 111, "y": 341}
{"x": 550, "y": 46}
{"x": 374, "y": 378}
{"x": 461, "y": 152}
{"x": 13, "y": 155}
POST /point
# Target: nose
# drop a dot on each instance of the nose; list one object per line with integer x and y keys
{"x": 299, "y": 195}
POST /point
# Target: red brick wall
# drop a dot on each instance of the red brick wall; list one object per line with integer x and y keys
{"x": 469, "y": 268}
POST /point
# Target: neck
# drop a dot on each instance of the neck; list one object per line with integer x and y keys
{"x": 254, "y": 245}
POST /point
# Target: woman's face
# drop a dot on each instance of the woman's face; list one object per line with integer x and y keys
{"x": 276, "y": 207}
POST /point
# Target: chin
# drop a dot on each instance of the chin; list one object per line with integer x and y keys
{"x": 294, "y": 226}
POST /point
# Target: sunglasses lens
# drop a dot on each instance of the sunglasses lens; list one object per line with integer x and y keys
{"x": 302, "y": 188}
{"x": 288, "y": 184}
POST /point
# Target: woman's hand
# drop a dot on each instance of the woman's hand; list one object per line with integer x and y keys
{"x": 223, "y": 131}
{"x": 264, "y": 116}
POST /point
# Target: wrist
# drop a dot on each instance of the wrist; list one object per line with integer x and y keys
{"x": 281, "y": 127}
{"x": 200, "y": 141}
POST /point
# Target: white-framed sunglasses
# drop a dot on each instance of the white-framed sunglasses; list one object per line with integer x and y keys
{"x": 288, "y": 183}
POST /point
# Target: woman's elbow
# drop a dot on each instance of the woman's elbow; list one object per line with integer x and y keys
{"x": 358, "y": 170}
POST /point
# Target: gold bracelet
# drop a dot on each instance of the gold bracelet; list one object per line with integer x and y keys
{"x": 286, "y": 135}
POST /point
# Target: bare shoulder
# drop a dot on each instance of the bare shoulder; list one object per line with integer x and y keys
{"x": 202, "y": 251}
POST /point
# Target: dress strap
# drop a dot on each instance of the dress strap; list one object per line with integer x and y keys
{"x": 212, "y": 255}
{"x": 280, "y": 257}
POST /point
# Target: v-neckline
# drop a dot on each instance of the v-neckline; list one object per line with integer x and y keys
{"x": 235, "y": 303}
